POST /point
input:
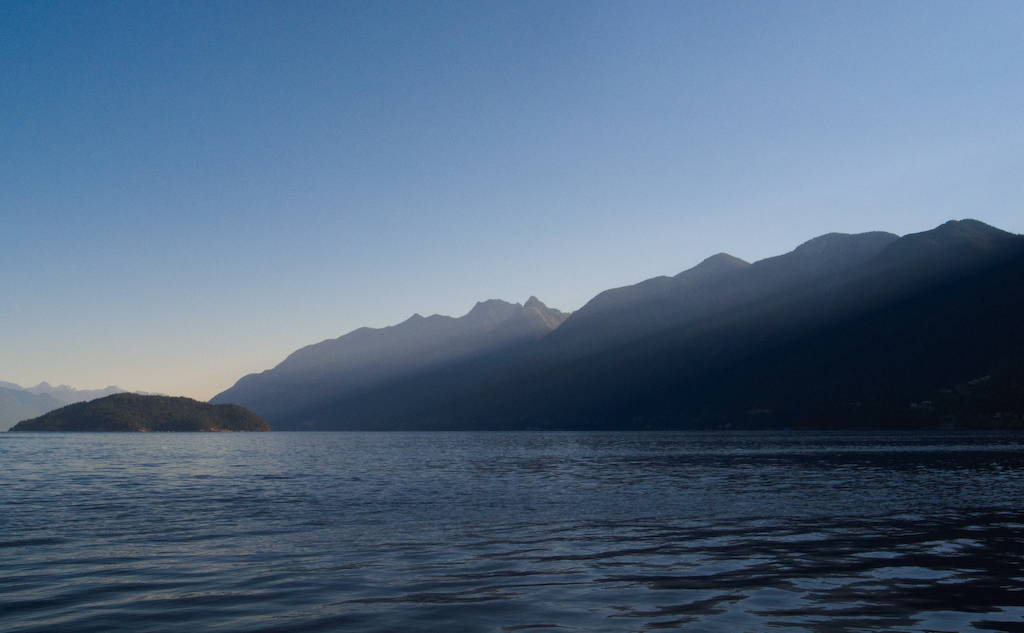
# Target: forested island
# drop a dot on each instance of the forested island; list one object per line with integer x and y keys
{"x": 129, "y": 412}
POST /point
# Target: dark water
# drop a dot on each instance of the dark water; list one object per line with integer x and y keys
{"x": 511, "y": 532}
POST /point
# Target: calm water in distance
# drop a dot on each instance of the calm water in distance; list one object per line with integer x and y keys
{"x": 511, "y": 532}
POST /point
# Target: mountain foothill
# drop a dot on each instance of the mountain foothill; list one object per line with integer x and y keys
{"x": 866, "y": 331}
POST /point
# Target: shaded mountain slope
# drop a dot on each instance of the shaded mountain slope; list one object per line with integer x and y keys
{"x": 127, "y": 412}
{"x": 862, "y": 371}
{"x": 923, "y": 311}
{"x": 718, "y": 284}
{"x": 907, "y": 323}
{"x": 658, "y": 288}
{"x": 367, "y": 357}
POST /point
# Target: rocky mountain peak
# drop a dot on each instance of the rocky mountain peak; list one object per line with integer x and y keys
{"x": 534, "y": 302}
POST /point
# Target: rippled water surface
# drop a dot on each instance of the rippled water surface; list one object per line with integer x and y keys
{"x": 511, "y": 532}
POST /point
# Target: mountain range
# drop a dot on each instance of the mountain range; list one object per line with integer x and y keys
{"x": 19, "y": 403}
{"x": 845, "y": 331}
{"x": 318, "y": 375}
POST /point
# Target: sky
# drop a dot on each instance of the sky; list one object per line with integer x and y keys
{"x": 190, "y": 191}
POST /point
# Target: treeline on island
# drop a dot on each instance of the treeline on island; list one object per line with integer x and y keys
{"x": 126, "y": 412}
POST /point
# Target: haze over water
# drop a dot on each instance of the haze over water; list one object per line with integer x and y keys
{"x": 509, "y": 532}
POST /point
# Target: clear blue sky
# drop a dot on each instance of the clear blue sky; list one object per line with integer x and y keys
{"x": 191, "y": 191}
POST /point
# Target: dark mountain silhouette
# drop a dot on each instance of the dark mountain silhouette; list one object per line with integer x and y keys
{"x": 871, "y": 319}
{"x": 717, "y": 284}
{"x": 923, "y": 306}
{"x": 367, "y": 358}
{"x": 132, "y": 412}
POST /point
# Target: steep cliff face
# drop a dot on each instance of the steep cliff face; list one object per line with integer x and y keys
{"x": 368, "y": 357}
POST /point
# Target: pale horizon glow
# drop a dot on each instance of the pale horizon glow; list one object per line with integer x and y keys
{"x": 189, "y": 192}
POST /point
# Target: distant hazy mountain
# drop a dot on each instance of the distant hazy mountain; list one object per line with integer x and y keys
{"x": 864, "y": 322}
{"x": 17, "y": 404}
{"x": 368, "y": 357}
{"x": 68, "y": 395}
{"x": 24, "y": 403}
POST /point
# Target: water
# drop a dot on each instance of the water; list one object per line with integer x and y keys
{"x": 511, "y": 532}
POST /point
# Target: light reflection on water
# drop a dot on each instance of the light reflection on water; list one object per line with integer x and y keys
{"x": 511, "y": 532}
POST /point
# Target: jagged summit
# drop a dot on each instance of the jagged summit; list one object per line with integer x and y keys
{"x": 493, "y": 311}
{"x": 64, "y": 393}
{"x": 369, "y": 356}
